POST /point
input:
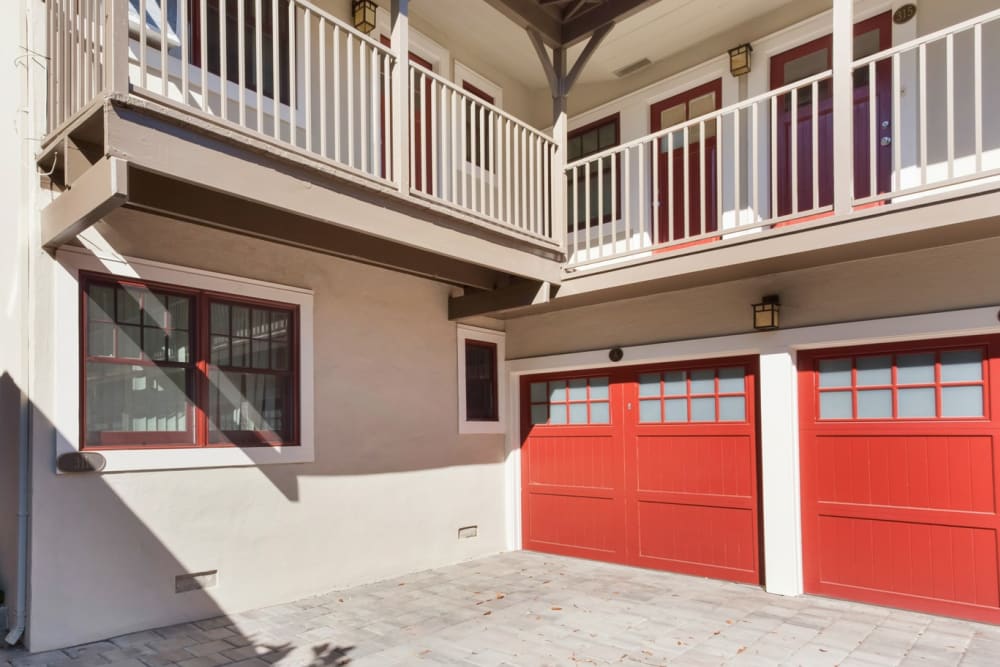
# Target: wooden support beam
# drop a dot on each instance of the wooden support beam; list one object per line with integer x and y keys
{"x": 518, "y": 295}
{"x": 97, "y": 192}
{"x": 529, "y": 14}
{"x": 575, "y": 29}
{"x": 587, "y": 54}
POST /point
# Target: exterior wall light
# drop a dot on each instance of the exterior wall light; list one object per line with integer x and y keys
{"x": 364, "y": 15}
{"x": 765, "y": 313}
{"x": 739, "y": 59}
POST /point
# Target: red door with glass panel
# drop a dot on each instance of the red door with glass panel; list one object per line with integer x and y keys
{"x": 870, "y": 36}
{"x": 901, "y": 475}
{"x": 686, "y": 196}
{"x": 655, "y": 467}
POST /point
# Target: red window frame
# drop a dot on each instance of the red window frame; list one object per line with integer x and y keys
{"x": 484, "y": 159}
{"x": 595, "y": 219}
{"x": 494, "y": 410}
{"x": 198, "y": 354}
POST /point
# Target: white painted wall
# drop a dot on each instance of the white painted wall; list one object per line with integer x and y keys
{"x": 391, "y": 483}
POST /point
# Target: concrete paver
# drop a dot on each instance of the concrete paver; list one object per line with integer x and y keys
{"x": 526, "y": 608}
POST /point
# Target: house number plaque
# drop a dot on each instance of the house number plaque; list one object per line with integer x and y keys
{"x": 904, "y": 13}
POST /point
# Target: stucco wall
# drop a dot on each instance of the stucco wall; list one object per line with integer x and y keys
{"x": 945, "y": 278}
{"x": 392, "y": 481}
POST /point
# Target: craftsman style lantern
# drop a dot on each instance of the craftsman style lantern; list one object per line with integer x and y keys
{"x": 739, "y": 59}
{"x": 364, "y": 15}
{"x": 765, "y": 313}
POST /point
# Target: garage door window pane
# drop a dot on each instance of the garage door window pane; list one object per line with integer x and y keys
{"x": 917, "y": 402}
{"x": 599, "y": 413}
{"x": 598, "y": 388}
{"x": 539, "y": 414}
{"x": 703, "y": 381}
{"x": 539, "y": 392}
{"x": 649, "y": 384}
{"x": 915, "y": 368}
{"x": 649, "y": 412}
{"x": 557, "y": 391}
{"x": 674, "y": 383}
{"x": 577, "y": 413}
{"x": 732, "y": 409}
{"x": 703, "y": 409}
{"x": 962, "y": 366}
{"x": 676, "y": 410}
{"x": 835, "y": 405}
{"x": 874, "y": 371}
{"x": 875, "y": 404}
{"x": 578, "y": 389}
{"x": 962, "y": 401}
{"x": 731, "y": 380}
{"x": 557, "y": 414}
{"x": 835, "y": 373}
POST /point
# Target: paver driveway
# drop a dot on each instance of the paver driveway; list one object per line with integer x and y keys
{"x": 533, "y": 609}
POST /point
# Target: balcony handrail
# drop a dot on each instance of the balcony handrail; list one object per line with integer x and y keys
{"x": 479, "y": 101}
{"x": 738, "y": 106}
{"x": 928, "y": 38}
{"x": 357, "y": 34}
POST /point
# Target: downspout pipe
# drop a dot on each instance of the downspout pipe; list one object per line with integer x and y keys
{"x": 23, "y": 510}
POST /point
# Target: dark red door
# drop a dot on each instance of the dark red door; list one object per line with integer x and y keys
{"x": 901, "y": 475}
{"x": 687, "y": 203}
{"x": 870, "y": 36}
{"x": 655, "y": 467}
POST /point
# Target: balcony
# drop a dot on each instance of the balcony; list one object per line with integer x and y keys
{"x": 303, "y": 87}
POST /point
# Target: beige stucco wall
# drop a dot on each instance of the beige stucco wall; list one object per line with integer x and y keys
{"x": 945, "y": 278}
{"x": 392, "y": 481}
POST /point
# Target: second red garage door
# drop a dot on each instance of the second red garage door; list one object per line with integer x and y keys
{"x": 654, "y": 467}
{"x": 900, "y": 475}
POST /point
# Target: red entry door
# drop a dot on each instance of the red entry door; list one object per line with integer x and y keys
{"x": 687, "y": 195}
{"x": 655, "y": 467}
{"x": 901, "y": 475}
{"x": 421, "y": 116}
{"x": 870, "y": 36}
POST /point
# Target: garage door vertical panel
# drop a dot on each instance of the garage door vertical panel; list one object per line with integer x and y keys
{"x": 691, "y": 469}
{"x": 900, "y": 475}
{"x": 572, "y": 470}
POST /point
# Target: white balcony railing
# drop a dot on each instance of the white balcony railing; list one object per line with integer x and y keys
{"x": 923, "y": 120}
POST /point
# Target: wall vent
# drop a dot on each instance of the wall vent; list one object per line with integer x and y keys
{"x": 196, "y": 581}
{"x": 466, "y": 532}
{"x": 633, "y": 68}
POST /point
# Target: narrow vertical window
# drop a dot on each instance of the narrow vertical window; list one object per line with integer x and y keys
{"x": 481, "y": 399}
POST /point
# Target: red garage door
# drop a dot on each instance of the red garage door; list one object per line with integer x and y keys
{"x": 900, "y": 475}
{"x": 654, "y": 467}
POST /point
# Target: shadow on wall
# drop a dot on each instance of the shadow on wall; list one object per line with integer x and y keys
{"x": 233, "y": 637}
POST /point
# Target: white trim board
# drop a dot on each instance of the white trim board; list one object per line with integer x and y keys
{"x": 498, "y": 338}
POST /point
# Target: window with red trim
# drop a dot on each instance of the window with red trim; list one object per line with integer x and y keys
{"x": 593, "y": 182}
{"x": 481, "y": 395}
{"x": 477, "y": 125}
{"x": 167, "y": 366}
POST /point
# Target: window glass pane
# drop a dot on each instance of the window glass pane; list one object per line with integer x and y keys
{"x": 129, "y": 341}
{"x": 101, "y": 303}
{"x": 915, "y": 369}
{"x": 128, "y": 305}
{"x": 178, "y": 348}
{"x": 557, "y": 414}
{"x": 674, "y": 115}
{"x": 649, "y": 384}
{"x": 962, "y": 401}
{"x": 599, "y": 413}
{"x": 875, "y": 404}
{"x": 731, "y": 380}
{"x": 917, "y": 402}
{"x": 101, "y": 339}
{"x": 220, "y": 351}
{"x": 260, "y": 322}
{"x": 703, "y": 382}
{"x": 961, "y": 366}
{"x": 732, "y": 409}
{"x": 835, "y": 373}
{"x": 701, "y": 105}
{"x": 589, "y": 142}
{"x": 154, "y": 343}
{"x": 674, "y": 383}
{"x": 539, "y": 414}
{"x": 649, "y": 411}
{"x": 574, "y": 148}
{"x": 280, "y": 354}
{"x": 676, "y": 409}
{"x": 154, "y": 310}
{"x": 179, "y": 307}
{"x": 598, "y": 388}
{"x": 247, "y": 402}
{"x": 539, "y": 392}
{"x": 874, "y": 371}
{"x": 220, "y": 318}
{"x": 607, "y": 135}
{"x": 805, "y": 66}
{"x": 123, "y": 398}
{"x": 240, "y": 352}
{"x": 578, "y": 389}
{"x": 260, "y": 353}
{"x": 703, "y": 409}
{"x": 557, "y": 391}
{"x": 578, "y": 413}
{"x": 835, "y": 405}
{"x": 240, "y": 321}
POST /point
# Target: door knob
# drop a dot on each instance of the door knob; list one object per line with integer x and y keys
{"x": 885, "y": 141}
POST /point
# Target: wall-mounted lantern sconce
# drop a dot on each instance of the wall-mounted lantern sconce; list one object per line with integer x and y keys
{"x": 765, "y": 313}
{"x": 364, "y": 15}
{"x": 739, "y": 59}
